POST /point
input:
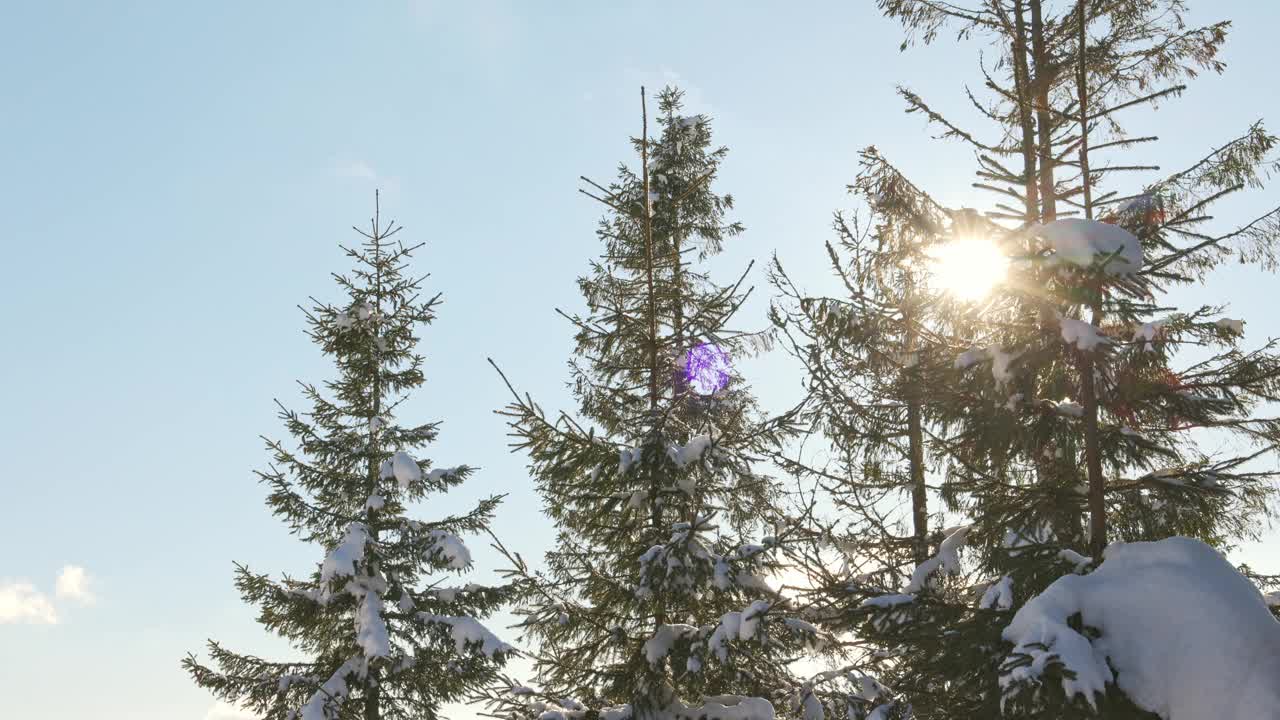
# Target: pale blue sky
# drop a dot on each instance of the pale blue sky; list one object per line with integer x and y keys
{"x": 175, "y": 178}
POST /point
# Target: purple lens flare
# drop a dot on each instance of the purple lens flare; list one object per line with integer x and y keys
{"x": 706, "y": 369}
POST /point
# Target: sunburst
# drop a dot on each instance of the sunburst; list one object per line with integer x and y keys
{"x": 968, "y": 268}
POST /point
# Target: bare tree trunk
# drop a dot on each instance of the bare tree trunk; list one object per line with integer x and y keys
{"x": 1041, "y": 85}
{"x": 915, "y": 440}
{"x": 1022, "y": 89}
{"x": 1093, "y": 454}
{"x": 919, "y": 491}
{"x": 647, "y": 222}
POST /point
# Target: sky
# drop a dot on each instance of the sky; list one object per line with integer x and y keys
{"x": 176, "y": 179}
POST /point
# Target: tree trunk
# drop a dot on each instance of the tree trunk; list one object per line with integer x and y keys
{"x": 373, "y": 701}
{"x": 1093, "y": 453}
{"x": 915, "y": 440}
{"x": 655, "y": 487}
{"x": 1041, "y": 85}
{"x": 919, "y": 491}
{"x": 1093, "y": 458}
{"x": 1022, "y": 90}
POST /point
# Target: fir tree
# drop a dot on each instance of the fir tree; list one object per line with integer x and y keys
{"x": 867, "y": 359}
{"x": 654, "y": 604}
{"x": 879, "y": 373}
{"x": 1060, "y": 91}
{"x": 1080, "y": 393}
{"x": 383, "y": 633}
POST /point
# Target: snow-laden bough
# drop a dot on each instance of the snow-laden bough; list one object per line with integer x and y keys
{"x": 1188, "y": 636}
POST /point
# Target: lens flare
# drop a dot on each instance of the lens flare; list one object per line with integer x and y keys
{"x": 706, "y": 369}
{"x": 968, "y": 268}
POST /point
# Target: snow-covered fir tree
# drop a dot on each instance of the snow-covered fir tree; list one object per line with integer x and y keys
{"x": 385, "y": 629}
{"x": 1084, "y": 408}
{"x": 657, "y": 601}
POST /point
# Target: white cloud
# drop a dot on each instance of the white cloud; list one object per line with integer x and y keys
{"x": 73, "y": 584}
{"x": 226, "y": 711}
{"x": 22, "y": 603}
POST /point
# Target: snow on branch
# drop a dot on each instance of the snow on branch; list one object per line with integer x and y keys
{"x": 341, "y": 561}
{"x": 467, "y": 633}
{"x": 323, "y": 704}
{"x": 1178, "y": 629}
{"x": 726, "y": 707}
{"x": 371, "y": 629}
{"x": 947, "y": 560}
{"x": 1081, "y": 242}
{"x": 736, "y": 626}
{"x": 1084, "y": 336}
{"x": 1001, "y": 361}
{"x": 406, "y": 469}
{"x": 449, "y": 547}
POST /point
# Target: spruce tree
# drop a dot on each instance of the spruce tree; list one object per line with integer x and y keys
{"x": 1083, "y": 407}
{"x": 867, "y": 358}
{"x": 1058, "y": 96}
{"x": 878, "y": 369}
{"x": 654, "y": 602}
{"x": 384, "y": 632}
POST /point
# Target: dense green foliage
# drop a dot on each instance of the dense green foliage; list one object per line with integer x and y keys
{"x": 974, "y": 451}
{"x": 1073, "y": 407}
{"x": 382, "y": 633}
{"x": 655, "y": 601}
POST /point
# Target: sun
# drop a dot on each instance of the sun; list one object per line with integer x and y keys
{"x": 967, "y": 267}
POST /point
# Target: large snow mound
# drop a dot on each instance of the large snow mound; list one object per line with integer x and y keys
{"x": 1080, "y": 242}
{"x": 1189, "y": 636}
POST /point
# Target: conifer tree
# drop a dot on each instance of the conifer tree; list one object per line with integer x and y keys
{"x": 384, "y": 633}
{"x": 1083, "y": 408}
{"x": 1059, "y": 103}
{"x": 866, "y": 358}
{"x": 654, "y": 602}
